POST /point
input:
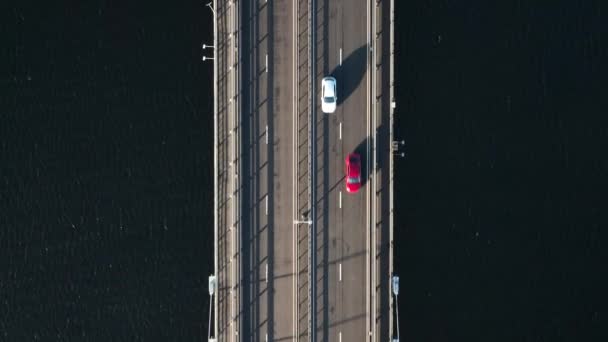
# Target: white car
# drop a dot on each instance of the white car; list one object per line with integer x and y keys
{"x": 329, "y": 95}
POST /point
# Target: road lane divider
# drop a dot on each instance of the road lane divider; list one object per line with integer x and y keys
{"x": 374, "y": 182}
{"x": 369, "y": 175}
{"x": 340, "y": 131}
{"x": 295, "y": 158}
{"x": 340, "y": 272}
{"x": 340, "y": 200}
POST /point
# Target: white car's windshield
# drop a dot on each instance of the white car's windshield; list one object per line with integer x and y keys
{"x": 329, "y": 99}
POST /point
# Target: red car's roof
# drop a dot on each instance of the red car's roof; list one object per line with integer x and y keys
{"x": 354, "y": 161}
{"x": 353, "y": 173}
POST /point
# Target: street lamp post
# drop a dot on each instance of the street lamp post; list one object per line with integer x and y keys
{"x": 395, "y": 145}
{"x": 205, "y": 46}
{"x": 210, "y": 5}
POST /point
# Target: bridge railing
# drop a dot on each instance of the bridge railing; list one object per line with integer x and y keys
{"x": 311, "y": 173}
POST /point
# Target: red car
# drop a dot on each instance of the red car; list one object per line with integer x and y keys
{"x": 353, "y": 172}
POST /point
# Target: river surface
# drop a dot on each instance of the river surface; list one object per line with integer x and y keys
{"x": 106, "y": 171}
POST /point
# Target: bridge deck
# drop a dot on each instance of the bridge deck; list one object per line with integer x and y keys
{"x": 263, "y": 171}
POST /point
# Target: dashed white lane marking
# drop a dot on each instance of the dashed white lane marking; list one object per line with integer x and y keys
{"x": 266, "y": 62}
{"x": 340, "y": 200}
{"x": 266, "y": 134}
{"x": 267, "y": 272}
{"x": 340, "y": 272}
{"x": 340, "y": 56}
{"x": 340, "y": 131}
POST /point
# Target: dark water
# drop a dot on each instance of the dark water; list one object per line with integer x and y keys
{"x": 106, "y": 171}
{"x": 502, "y": 225}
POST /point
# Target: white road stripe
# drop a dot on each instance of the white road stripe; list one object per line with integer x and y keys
{"x": 232, "y": 301}
{"x": 340, "y": 56}
{"x": 340, "y": 337}
{"x": 367, "y": 197}
{"x": 340, "y": 201}
{"x": 266, "y": 204}
{"x": 294, "y": 238}
{"x": 340, "y": 271}
{"x": 266, "y": 272}
{"x": 340, "y": 131}
{"x": 266, "y": 62}
{"x": 266, "y": 134}
{"x": 373, "y": 179}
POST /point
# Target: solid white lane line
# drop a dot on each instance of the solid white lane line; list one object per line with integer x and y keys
{"x": 340, "y": 199}
{"x": 373, "y": 178}
{"x": 340, "y": 56}
{"x": 367, "y": 197}
{"x": 266, "y": 134}
{"x": 233, "y": 271}
{"x": 340, "y": 131}
{"x": 294, "y": 238}
{"x": 340, "y": 272}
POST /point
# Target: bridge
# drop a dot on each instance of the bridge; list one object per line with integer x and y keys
{"x": 296, "y": 257}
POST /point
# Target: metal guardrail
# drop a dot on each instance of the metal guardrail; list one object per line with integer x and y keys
{"x": 311, "y": 174}
{"x": 374, "y": 102}
{"x": 395, "y": 286}
{"x": 302, "y": 180}
{"x": 215, "y": 170}
{"x": 235, "y": 86}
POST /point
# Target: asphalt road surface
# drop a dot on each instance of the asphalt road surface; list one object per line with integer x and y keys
{"x": 343, "y": 219}
{"x": 268, "y": 260}
{"x": 351, "y": 268}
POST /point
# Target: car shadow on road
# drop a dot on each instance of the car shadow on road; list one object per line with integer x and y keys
{"x": 350, "y": 73}
{"x": 361, "y": 150}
